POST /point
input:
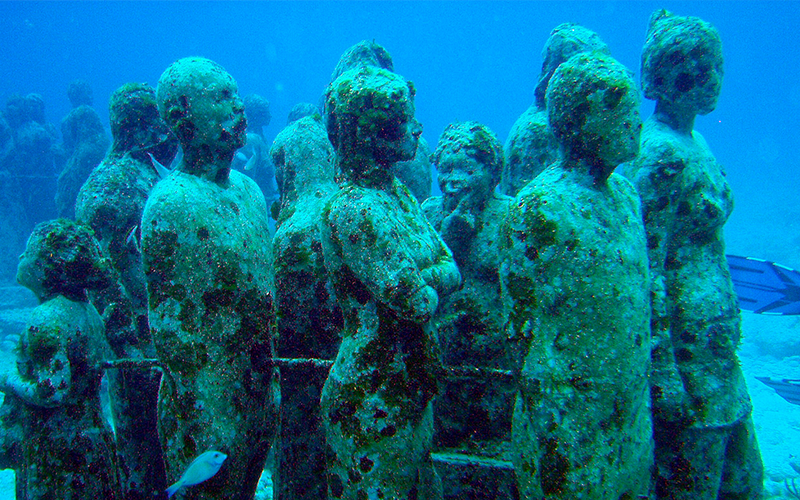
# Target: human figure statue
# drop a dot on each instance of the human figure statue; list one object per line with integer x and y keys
{"x": 388, "y": 267}
{"x": 705, "y": 444}
{"x": 300, "y": 110}
{"x": 85, "y": 144}
{"x": 207, "y": 257}
{"x": 531, "y": 146}
{"x": 309, "y": 318}
{"x": 574, "y": 280}
{"x": 111, "y": 201}
{"x": 53, "y": 385}
{"x": 33, "y": 158}
{"x": 415, "y": 173}
{"x": 471, "y": 414}
{"x": 79, "y": 93}
{"x": 253, "y": 158}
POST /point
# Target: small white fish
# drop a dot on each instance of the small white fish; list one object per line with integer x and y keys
{"x": 202, "y": 468}
{"x": 241, "y": 156}
{"x": 253, "y": 161}
{"x": 160, "y": 168}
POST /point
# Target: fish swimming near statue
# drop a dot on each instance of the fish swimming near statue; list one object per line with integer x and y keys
{"x": 202, "y": 468}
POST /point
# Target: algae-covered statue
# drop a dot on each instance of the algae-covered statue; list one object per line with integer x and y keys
{"x": 86, "y": 143}
{"x": 531, "y": 146}
{"x": 705, "y": 442}
{"x": 471, "y": 414}
{"x": 207, "y": 257}
{"x": 309, "y": 318}
{"x": 111, "y": 202}
{"x": 66, "y": 450}
{"x": 388, "y": 267}
{"x": 574, "y": 281}
{"x": 415, "y": 172}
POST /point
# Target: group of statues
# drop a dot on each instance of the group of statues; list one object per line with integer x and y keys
{"x": 584, "y": 315}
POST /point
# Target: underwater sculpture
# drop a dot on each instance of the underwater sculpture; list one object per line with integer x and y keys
{"x": 469, "y": 413}
{"x": 253, "y": 158}
{"x": 300, "y": 110}
{"x": 705, "y": 442}
{"x": 574, "y": 281}
{"x": 33, "y": 158}
{"x": 208, "y": 261}
{"x": 309, "y": 318}
{"x": 85, "y": 143}
{"x": 388, "y": 267}
{"x": 66, "y": 452}
{"x": 531, "y": 146}
{"x": 415, "y": 172}
{"x": 111, "y": 202}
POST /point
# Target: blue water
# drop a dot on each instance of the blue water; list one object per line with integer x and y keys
{"x": 469, "y": 60}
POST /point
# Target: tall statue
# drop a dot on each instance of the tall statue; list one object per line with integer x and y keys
{"x": 705, "y": 442}
{"x": 574, "y": 281}
{"x": 208, "y": 261}
{"x": 388, "y": 267}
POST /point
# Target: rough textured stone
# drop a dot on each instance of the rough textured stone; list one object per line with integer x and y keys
{"x": 472, "y": 415}
{"x": 705, "y": 445}
{"x": 575, "y": 290}
{"x": 388, "y": 267}
{"x": 531, "y": 146}
{"x": 309, "y": 318}
{"x": 208, "y": 261}
{"x": 112, "y": 201}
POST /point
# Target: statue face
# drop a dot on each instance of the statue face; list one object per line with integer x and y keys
{"x": 30, "y": 273}
{"x": 462, "y": 179}
{"x": 200, "y": 102}
{"x": 223, "y": 124}
{"x": 622, "y": 132}
{"x": 697, "y": 81}
{"x": 397, "y": 141}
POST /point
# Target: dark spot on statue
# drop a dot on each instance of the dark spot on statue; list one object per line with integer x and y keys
{"x": 683, "y": 355}
{"x": 353, "y": 238}
{"x": 353, "y": 476}
{"x": 554, "y": 468}
{"x": 351, "y": 285}
{"x": 652, "y": 241}
{"x": 388, "y": 431}
{"x": 186, "y": 130}
{"x": 613, "y": 96}
{"x": 681, "y": 472}
{"x": 703, "y": 75}
{"x": 688, "y": 337}
{"x": 365, "y": 464}
{"x": 684, "y": 82}
{"x": 335, "y": 485}
{"x": 380, "y": 414}
{"x": 203, "y": 233}
{"x": 235, "y": 208}
{"x": 361, "y": 495}
{"x": 342, "y": 410}
{"x": 216, "y": 299}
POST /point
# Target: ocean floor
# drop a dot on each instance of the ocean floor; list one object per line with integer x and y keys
{"x": 770, "y": 348}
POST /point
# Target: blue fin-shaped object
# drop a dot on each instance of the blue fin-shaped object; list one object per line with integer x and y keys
{"x": 764, "y": 287}
{"x": 788, "y": 389}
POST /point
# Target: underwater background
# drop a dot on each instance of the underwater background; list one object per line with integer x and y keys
{"x": 469, "y": 61}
